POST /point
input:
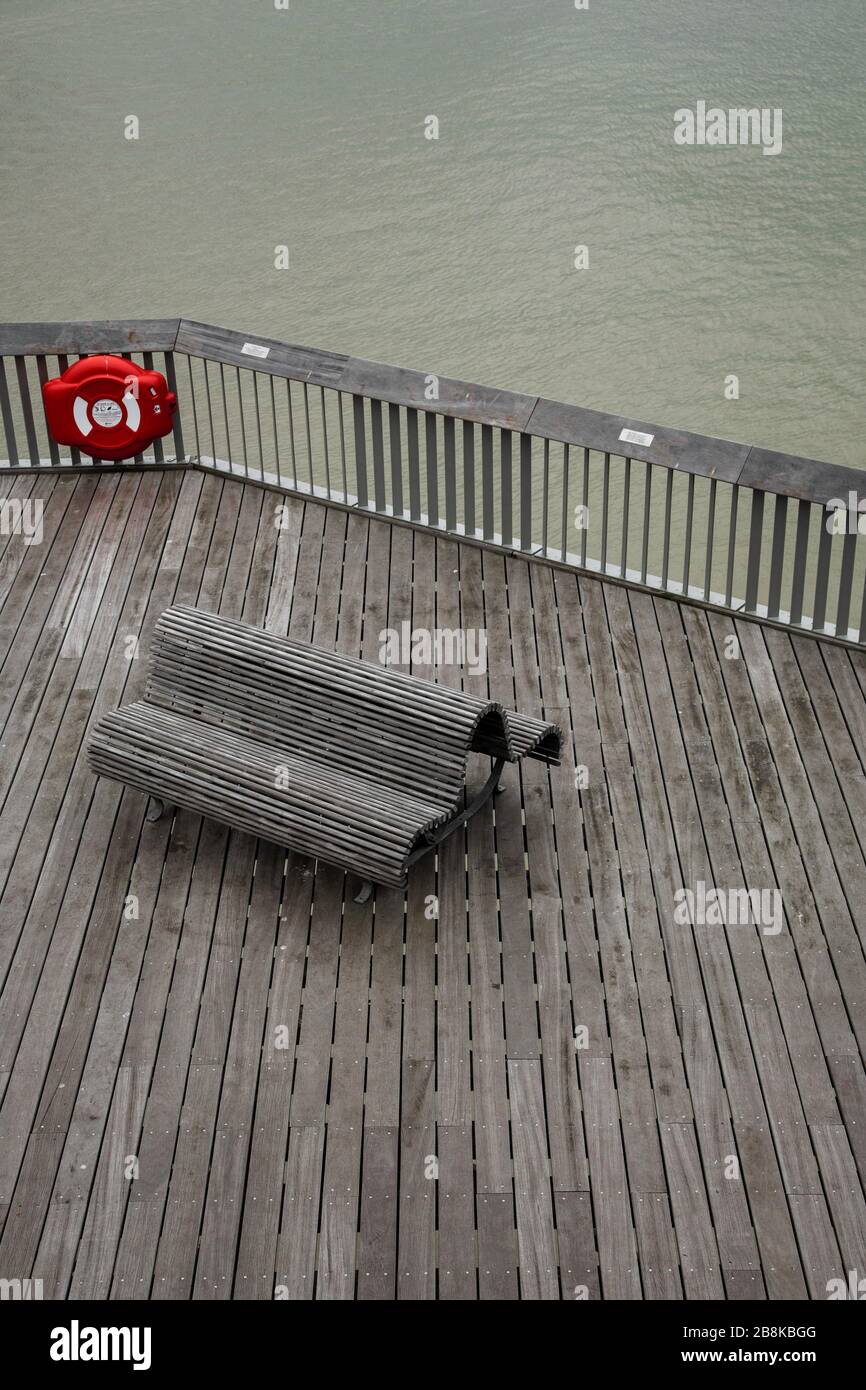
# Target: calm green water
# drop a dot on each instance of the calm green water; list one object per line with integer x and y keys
{"x": 261, "y": 128}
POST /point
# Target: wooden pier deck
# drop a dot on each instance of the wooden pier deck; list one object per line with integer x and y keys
{"x": 221, "y": 1077}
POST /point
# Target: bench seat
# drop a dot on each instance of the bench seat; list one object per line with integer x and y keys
{"x": 335, "y": 758}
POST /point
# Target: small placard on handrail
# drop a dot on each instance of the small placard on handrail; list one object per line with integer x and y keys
{"x": 636, "y": 437}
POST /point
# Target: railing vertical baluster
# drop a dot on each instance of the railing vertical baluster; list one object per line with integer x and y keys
{"x": 292, "y": 434}
{"x": 432, "y": 453}
{"x": 360, "y": 451}
{"x": 846, "y": 578}
{"x": 414, "y": 464}
{"x": 468, "y": 478}
{"x": 255, "y": 376}
{"x": 756, "y": 538}
{"x": 210, "y": 414}
{"x": 274, "y": 423}
{"x": 42, "y": 373}
{"x": 8, "y": 423}
{"x": 687, "y": 548}
{"x": 777, "y": 559}
{"x": 801, "y": 554}
{"x": 342, "y": 446}
{"x": 526, "y": 492}
{"x": 378, "y": 455}
{"x": 565, "y": 461}
{"x": 505, "y": 486}
{"x": 487, "y": 482}
{"x": 242, "y": 421}
{"x": 396, "y": 447}
{"x": 450, "y": 449}
{"x": 195, "y": 407}
{"x": 545, "y": 496}
{"x": 711, "y": 529}
{"x": 822, "y": 577}
{"x": 226, "y": 416}
{"x": 647, "y": 508}
{"x": 325, "y": 442}
{"x": 732, "y": 545}
{"x": 666, "y": 542}
{"x": 137, "y": 458}
{"x": 82, "y": 356}
{"x": 177, "y": 424}
{"x": 605, "y": 508}
{"x": 584, "y": 532}
{"x": 309, "y": 440}
{"x": 63, "y": 363}
{"x": 27, "y": 410}
{"x": 482, "y": 501}
{"x": 158, "y": 451}
{"x": 626, "y": 488}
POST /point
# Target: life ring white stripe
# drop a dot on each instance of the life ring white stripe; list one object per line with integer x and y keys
{"x": 79, "y": 415}
{"x": 133, "y": 412}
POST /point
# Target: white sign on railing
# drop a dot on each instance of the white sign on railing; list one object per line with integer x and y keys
{"x": 635, "y": 437}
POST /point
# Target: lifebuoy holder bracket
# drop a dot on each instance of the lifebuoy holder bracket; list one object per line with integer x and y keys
{"x": 108, "y": 408}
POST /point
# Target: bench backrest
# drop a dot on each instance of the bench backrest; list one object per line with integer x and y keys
{"x": 314, "y": 704}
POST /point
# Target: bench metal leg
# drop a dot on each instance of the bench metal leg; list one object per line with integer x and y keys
{"x": 435, "y": 837}
{"x": 364, "y": 892}
{"x": 157, "y": 808}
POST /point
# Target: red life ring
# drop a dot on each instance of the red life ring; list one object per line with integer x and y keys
{"x": 108, "y": 408}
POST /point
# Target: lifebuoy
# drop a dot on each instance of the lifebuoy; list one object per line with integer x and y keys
{"x": 108, "y": 408}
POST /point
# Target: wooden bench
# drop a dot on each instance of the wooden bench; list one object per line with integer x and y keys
{"x": 355, "y": 764}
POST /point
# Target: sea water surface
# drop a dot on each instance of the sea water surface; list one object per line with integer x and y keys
{"x": 304, "y": 127}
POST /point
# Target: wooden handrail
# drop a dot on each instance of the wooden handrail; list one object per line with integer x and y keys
{"x": 110, "y": 335}
{"x": 687, "y": 452}
{"x": 760, "y": 469}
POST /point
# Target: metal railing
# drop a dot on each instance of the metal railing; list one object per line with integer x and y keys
{"x": 724, "y": 524}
